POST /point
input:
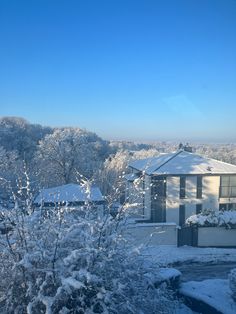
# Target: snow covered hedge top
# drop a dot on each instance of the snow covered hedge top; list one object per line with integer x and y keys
{"x": 210, "y": 218}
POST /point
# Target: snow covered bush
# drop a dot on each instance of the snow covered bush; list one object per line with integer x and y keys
{"x": 211, "y": 218}
{"x": 72, "y": 261}
{"x": 232, "y": 283}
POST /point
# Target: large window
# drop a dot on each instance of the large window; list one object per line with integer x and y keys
{"x": 199, "y": 186}
{"x": 158, "y": 199}
{"x": 182, "y": 187}
{"x": 228, "y": 186}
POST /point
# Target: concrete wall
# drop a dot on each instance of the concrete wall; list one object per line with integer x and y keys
{"x": 216, "y": 236}
{"x": 151, "y": 234}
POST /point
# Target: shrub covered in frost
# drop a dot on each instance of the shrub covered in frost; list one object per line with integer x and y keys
{"x": 232, "y": 283}
{"x": 70, "y": 261}
{"x": 211, "y": 218}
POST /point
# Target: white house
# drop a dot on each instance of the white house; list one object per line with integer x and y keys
{"x": 70, "y": 195}
{"x": 171, "y": 187}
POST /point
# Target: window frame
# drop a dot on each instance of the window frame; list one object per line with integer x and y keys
{"x": 225, "y": 185}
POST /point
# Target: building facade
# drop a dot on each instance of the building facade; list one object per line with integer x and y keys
{"x": 172, "y": 187}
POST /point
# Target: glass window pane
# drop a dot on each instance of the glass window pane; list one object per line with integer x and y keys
{"x": 182, "y": 182}
{"x": 224, "y": 191}
{"x": 182, "y": 187}
{"x": 225, "y": 180}
{"x": 232, "y": 180}
{"x": 199, "y": 181}
{"x": 233, "y": 191}
{"x": 199, "y": 192}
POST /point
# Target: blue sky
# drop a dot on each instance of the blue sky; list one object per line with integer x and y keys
{"x": 142, "y": 70}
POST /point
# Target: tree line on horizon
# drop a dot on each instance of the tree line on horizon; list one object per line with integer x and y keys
{"x": 55, "y": 156}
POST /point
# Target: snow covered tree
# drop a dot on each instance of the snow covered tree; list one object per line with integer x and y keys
{"x": 17, "y": 134}
{"x": 66, "y": 151}
{"x": 9, "y": 170}
{"x": 116, "y": 166}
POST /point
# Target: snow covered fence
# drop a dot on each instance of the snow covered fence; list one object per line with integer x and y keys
{"x": 215, "y": 228}
{"x": 151, "y": 234}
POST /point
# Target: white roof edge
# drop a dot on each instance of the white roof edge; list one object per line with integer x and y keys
{"x": 200, "y": 168}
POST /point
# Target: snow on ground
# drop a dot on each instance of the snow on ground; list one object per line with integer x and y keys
{"x": 167, "y": 255}
{"x": 214, "y": 292}
{"x": 167, "y": 273}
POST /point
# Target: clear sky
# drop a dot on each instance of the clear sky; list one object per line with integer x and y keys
{"x": 126, "y": 69}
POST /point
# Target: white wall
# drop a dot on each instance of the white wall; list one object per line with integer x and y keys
{"x": 191, "y": 187}
{"x": 216, "y": 236}
{"x": 190, "y": 209}
{"x": 210, "y": 188}
{"x": 172, "y": 199}
{"x": 172, "y": 188}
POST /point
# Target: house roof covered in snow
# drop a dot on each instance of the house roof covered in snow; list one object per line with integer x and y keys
{"x": 182, "y": 162}
{"x": 70, "y": 193}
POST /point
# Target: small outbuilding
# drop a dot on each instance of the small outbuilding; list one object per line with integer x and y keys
{"x": 70, "y": 195}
